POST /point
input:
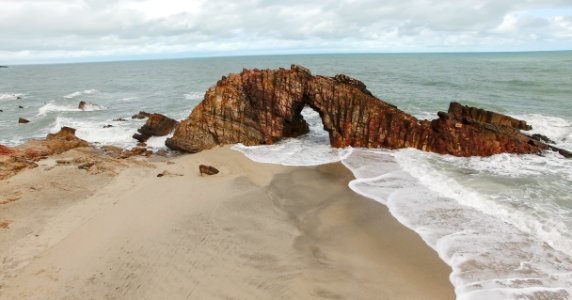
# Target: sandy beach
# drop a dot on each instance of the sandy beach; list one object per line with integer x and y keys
{"x": 253, "y": 231}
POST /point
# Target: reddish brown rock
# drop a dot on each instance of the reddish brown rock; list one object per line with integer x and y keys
{"x": 156, "y": 125}
{"x": 262, "y": 106}
{"x": 12, "y": 160}
{"x": 5, "y": 150}
{"x": 23, "y": 121}
{"x": 140, "y": 115}
{"x": 485, "y": 116}
{"x": 207, "y": 170}
{"x": 81, "y": 105}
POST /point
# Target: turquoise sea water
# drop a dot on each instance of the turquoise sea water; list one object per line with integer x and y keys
{"x": 503, "y": 223}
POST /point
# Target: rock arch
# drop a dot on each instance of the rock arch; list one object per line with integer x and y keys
{"x": 262, "y": 106}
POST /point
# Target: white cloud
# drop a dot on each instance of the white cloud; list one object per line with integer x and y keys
{"x": 53, "y": 30}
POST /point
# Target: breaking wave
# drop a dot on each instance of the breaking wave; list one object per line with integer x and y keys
{"x": 80, "y": 93}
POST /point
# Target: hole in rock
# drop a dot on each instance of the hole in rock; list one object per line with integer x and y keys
{"x": 316, "y": 134}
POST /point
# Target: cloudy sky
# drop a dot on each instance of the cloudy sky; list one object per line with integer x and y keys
{"x": 39, "y": 31}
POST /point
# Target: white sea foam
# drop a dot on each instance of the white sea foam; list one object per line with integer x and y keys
{"x": 194, "y": 96}
{"x": 557, "y": 129}
{"x": 127, "y": 99}
{"x": 80, "y": 93}
{"x": 10, "y": 97}
{"x": 499, "y": 242}
{"x": 158, "y": 142}
{"x": 502, "y": 222}
{"x": 92, "y": 131}
{"x": 53, "y": 107}
{"x": 120, "y": 134}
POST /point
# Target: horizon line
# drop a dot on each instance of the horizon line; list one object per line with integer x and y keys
{"x": 174, "y": 57}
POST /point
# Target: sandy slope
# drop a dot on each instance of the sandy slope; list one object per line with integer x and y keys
{"x": 253, "y": 231}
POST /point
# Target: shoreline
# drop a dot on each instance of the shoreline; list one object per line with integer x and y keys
{"x": 253, "y": 231}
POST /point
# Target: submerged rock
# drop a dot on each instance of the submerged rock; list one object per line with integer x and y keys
{"x": 263, "y": 106}
{"x": 82, "y": 105}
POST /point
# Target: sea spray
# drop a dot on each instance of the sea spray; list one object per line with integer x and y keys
{"x": 51, "y": 107}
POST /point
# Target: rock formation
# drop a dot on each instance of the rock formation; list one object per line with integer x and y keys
{"x": 262, "y": 106}
{"x": 14, "y": 159}
{"x": 156, "y": 125}
{"x": 140, "y": 115}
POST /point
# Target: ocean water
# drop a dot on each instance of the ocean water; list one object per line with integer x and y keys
{"x": 503, "y": 223}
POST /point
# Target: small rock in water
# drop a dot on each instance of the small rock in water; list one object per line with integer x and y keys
{"x": 141, "y": 115}
{"x": 208, "y": 170}
{"x": 18, "y": 98}
{"x": 156, "y": 125}
{"x": 141, "y": 138}
{"x": 1, "y": 110}
{"x": 20, "y": 106}
{"x": 107, "y": 126}
{"x": 119, "y": 120}
{"x": 23, "y": 121}
{"x": 82, "y": 105}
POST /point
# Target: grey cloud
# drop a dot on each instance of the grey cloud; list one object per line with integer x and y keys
{"x": 109, "y": 27}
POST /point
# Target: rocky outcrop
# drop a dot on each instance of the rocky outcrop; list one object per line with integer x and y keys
{"x": 262, "y": 106}
{"x": 156, "y": 125}
{"x": 14, "y": 159}
{"x": 484, "y": 116}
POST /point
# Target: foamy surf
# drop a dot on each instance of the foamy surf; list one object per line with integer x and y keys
{"x": 194, "y": 96}
{"x": 119, "y": 135}
{"x": 80, "y": 93}
{"x": 557, "y": 129}
{"x": 502, "y": 223}
{"x": 10, "y": 97}
{"x": 53, "y": 107}
{"x": 308, "y": 150}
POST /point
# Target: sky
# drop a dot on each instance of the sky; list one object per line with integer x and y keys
{"x": 49, "y": 31}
